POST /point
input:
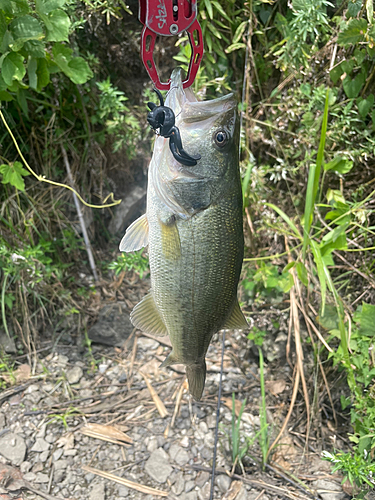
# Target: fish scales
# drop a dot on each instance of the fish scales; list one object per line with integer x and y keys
{"x": 193, "y": 229}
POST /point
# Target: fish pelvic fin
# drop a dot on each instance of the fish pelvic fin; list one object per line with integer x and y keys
{"x": 136, "y": 236}
{"x": 171, "y": 359}
{"x": 170, "y": 239}
{"x": 196, "y": 375}
{"x": 145, "y": 316}
{"x": 236, "y": 320}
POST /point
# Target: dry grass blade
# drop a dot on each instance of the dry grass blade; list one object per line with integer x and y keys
{"x": 183, "y": 387}
{"x": 158, "y": 402}
{"x": 233, "y": 491}
{"x": 106, "y": 433}
{"x": 147, "y": 490}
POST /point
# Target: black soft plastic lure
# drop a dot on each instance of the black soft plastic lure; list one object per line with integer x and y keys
{"x": 162, "y": 118}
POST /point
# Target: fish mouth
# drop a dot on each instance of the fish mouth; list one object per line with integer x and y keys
{"x": 187, "y": 108}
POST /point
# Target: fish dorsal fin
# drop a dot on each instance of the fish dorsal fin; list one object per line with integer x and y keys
{"x": 146, "y": 317}
{"x": 236, "y": 320}
{"x": 170, "y": 239}
{"x": 136, "y": 236}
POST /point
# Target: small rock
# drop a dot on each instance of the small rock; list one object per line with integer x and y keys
{"x": 57, "y": 454}
{"x": 189, "y": 486}
{"x": 29, "y": 476}
{"x": 74, "y": 375}
{"x": 178, "y": 454}
{"x": 145, "y": 344}
{"x": 192, "y": 495}
{"x": 70, "y": 453}
{"x": 7, "y": 343}
{"x": 179, "y": 484}
{"x": 40, "y": 445}
{"x": 61, "y": 360}
{"x": 59, "y": 476}
{"x": 204, "y": 492}
{"x": 97, "y": 492}
{"x": 42, "y": 431}
{"x": 25, "y": 467}
{"x": 152, "y": 444}
{"x": 86, "y": 393}
{"x": 43, "y": 457}
{"x": 202, "y": 478}
{"x": 32, "y": 388}
{"x": 157, "y": 466}
{"x": 328, "y": 490}
{"x": 61, "y": 464}
{"x": 185, "y": 442}
{"x": 41, "y": 478}
{"x": 89, "y": 477}
{"x": 13, "y": 448}
{"x": 223, "y": 482}
{"x": 2, "y": 420}
{"x": 123, "y": 491}
{"x": 206, "y": 453}
{"x": 37, "y": 467}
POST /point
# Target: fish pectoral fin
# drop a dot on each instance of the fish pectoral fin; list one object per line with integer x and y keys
{"x": 196, "y": 375}
{"x": 136, "y": 236}
{"x": 170, "y": 239}
{"x": 236, "y": 320}
{"x": 146, "y": 317}
{"x": 171, "y": 359}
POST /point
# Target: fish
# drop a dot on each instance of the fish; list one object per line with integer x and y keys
{"x": 193, "y": 227}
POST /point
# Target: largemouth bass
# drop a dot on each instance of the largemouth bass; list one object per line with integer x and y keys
{"x": 193, "y": 229}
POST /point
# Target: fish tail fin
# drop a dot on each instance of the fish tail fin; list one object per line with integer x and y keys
{"x": 196, "y": 375}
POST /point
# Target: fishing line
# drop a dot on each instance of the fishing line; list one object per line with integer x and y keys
{"x": 217, "y": 420}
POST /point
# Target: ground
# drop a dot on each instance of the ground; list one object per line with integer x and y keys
{"x": 81, "y": 412}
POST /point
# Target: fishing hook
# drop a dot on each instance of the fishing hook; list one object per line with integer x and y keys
{"x": 163, "y": 118}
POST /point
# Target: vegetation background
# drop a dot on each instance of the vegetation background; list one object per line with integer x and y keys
{"x": 73, "y": 93}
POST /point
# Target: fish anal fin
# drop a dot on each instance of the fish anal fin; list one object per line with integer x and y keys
{"x": 236, "y": 320}
{"x": 196, "y": 375}
{"x": 146, "y": 317}
{"x": 170, "y": 239}
{"x": 171, "y": 359}
{"x": 136, "y": 236}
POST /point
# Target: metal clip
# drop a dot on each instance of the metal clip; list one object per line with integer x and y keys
{"x": 168, "y": 18}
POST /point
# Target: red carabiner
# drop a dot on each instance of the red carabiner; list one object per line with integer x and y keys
{"x": 168, "y": 18}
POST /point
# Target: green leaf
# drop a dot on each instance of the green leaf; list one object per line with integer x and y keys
{"x": 352, "y": 87}
{"x": 365, "y": 105}
{"x": 370, "y": 10}
{"x": 13, "y": 174}
{"x": 31, "y": 71}
{"x": 367, "y": 320}
{"x": 359, "y": 55}
{"x": 302, "y": 273}
{"x": 208, "y": 5}
{"x": 13, "y": 68}
{"x": 339, "y": 164}
{"x": 76, "y": 68}
{"x": 42, "y": 74}
{"x": 3, "y": 26}
{"x": 334, "y": 240}
{"x": 21, "y": 99}
{"x": 330, "y": 319}
{"x": 235, "y": 46}
{"x": 5, "y": 96}
{"x": 57, "y": 25}
{"x": 282, "y": 214}
{"x": 354, "y": 7}
{"x": 320, "y": 267}
{"x": 34, "y": 48}
{"x": 305, "y": 89}
{"x": 7, "y": 42}
{"x": 239, "y": 32}
{"x": 353, "y": 32}
{"x": 46, "y": 6}
{"x": 25, "y": 28}
{"x": 15, "y": 8}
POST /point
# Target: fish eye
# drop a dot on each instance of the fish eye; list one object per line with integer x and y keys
{"x": 220, "y": 138}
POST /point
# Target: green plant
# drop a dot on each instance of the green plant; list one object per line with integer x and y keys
{"x": 63, "y": 418}
{"x": 263, "y": 433}
{"x": 134, "y": 261}
{"x": 359, "y": 469}
{"x": 238, "y": 449}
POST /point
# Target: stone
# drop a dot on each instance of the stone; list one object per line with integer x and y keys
{"x": 61, "y": 464}
{"x": 189, "y": 485}
{"x": 40, "y": 445}
{"x": 41, "y": 478}
{"x": 13, "y": 448}
{"x": 123, "y": 491}
{"x": 328, "y": 490}
{"x": 43, "y": 457}
{"x": 145, "y": 344}
{"x": 179, "y": 485}
{"x": 74, "y": 375}
{"x": 25, "y": 467}
{"x": 57, "y": 454}
{"x": 7, "y": 343}
{"x": 204, "y": 492}
{"x": 97, "y": 492}
{"x": 192, "y": 495}
{"x": 59, "y": 476}
{"x": 223, "y": 482}
{"x": 202, "y": 478}
{"x": 127, "y": 210}
{"x": 29, "y": 476}
{"x": 158, "y": 467}
{"x": 2, "y": 421}
{"x": 113, "y": 326}
{"x": 178, "y": 454}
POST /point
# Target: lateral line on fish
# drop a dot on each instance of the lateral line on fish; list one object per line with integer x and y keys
{"x": 217, "y": 419}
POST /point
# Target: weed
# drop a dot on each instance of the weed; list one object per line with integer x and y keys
{"x": 263, "y": 434}
{"x": 63, "y": 418}
{"x": 238, "y": 449}
{"x": 135, "y": 261}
